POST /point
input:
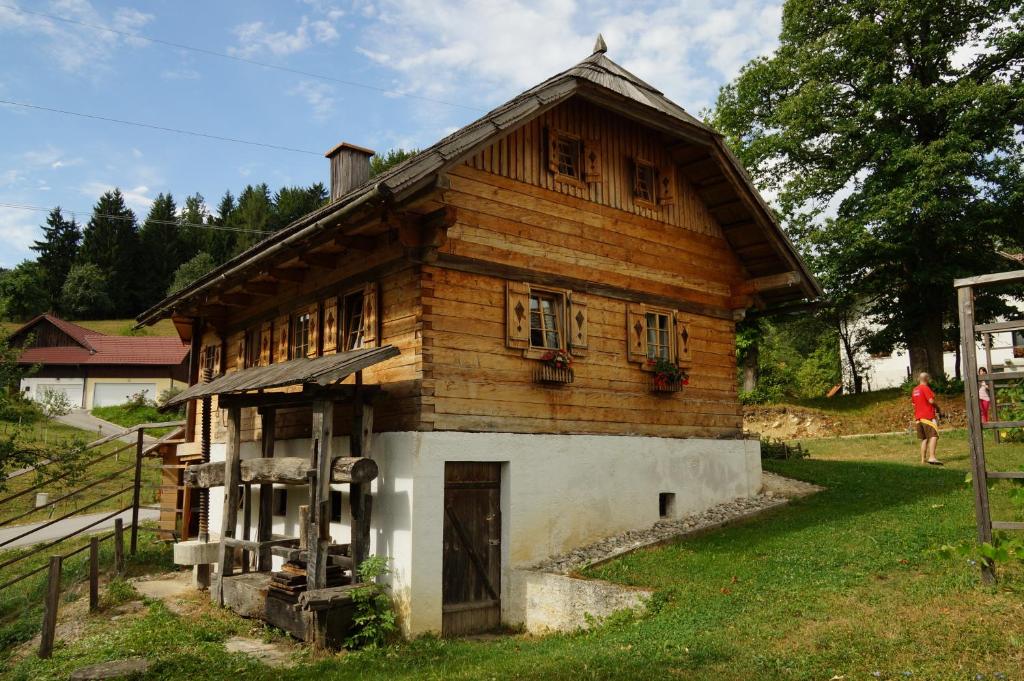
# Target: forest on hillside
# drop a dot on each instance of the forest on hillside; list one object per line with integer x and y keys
{"x": 116, "y": 266}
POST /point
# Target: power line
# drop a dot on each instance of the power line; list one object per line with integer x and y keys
{"x": 175, "y": 223}
{"x": 245, "y": 60}
{"x": 162, "y": 128}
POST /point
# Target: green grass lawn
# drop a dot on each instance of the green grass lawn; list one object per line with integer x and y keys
{"x": 132, "y": 415}
{"x": 840, "y": 585}
{"x": 60, "y": 437}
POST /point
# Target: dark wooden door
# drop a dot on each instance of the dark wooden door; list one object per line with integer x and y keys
{"x": 471, "y": 569}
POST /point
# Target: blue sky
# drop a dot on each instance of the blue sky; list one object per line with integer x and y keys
{"x": 440, "y": 64}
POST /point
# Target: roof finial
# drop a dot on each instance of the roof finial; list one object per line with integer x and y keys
{"x": 600, "y": 46}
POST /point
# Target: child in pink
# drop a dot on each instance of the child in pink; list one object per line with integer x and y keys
{"x": 984, "y": 400}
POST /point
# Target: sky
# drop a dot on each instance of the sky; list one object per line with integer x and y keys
{"x": 393, "y": 73}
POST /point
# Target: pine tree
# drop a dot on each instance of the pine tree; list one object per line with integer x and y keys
{"x": 220, "y": 243}
{"x": 291, "y": 203}
{"x": 111, "y": 242}
{"x": 252, "y": 216}
{"x": 160, "y": 242}
{"x": 57, "y": 251}
{"x": 192, "y": 236}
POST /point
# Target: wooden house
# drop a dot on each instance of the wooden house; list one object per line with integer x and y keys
{"x": 588, "y": 219}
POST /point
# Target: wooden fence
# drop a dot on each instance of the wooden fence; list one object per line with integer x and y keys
{"x": 55, "y": 564}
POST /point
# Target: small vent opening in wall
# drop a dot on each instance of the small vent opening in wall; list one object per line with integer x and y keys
{"x": 280, "y": 505}
{"x": 667, "y": 504}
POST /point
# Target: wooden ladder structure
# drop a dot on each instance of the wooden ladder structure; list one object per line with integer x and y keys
{"x": 980, "y": 475}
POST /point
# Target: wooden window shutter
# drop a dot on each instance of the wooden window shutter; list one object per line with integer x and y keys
{"x": 592, "y": 161}
{"x": 330, "y": 325}
{"x": 517, "y": 315}
{"x": 314, "y": 330}
{"x": 371, "y": 321}
{"x": 282, "y": 326}
{"x": 266, "y": 343}
{"x": 667, "y": 184}
{"x": 552, "y": 138}
{"x": 577, "y": 325}
{"x": 218, "y": 359}
{"x": 636, "y": 332}
{"x": 240, "y": 352}
{"x": 684, "y": 356}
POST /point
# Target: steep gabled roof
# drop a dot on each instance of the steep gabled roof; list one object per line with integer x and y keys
{"x": 598, "y": 79}
{"x": 95, "y": 348}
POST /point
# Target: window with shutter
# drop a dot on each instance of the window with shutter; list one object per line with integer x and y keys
{"x": 239, "y": 347}
{"x": 517, "y": 315}
{"x": 371, "y": 322}
{"x": 636, "y": 332}
{"x": 667, "y": 185}
{"x": 578, "y": 331}
{"x": 300, "y": 334}
{"x": 352, "y": 329}
{"x": 547, "y": 314}
{"x": 313, "y": 347}
{"x": 252, "y": 347}
{"x": 659, "y": 335}
{"x": 644, "y": 187}
{"x": 684, "y": 355}
{"x": 592, "y": 161}
{"x": 266, "y": 343}
{"x": 281, "y": 326}
{"x": 568, "y": 160}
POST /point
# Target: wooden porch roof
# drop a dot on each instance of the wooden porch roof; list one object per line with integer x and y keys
{"x": 320, "y": 371}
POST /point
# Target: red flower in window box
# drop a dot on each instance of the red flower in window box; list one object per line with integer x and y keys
{"x": 666, "y": 377}
{"x": 557, "y": 359}
{"x": 555, "y": 368}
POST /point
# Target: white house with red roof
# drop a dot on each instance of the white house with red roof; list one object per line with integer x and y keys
{"x": 95, "y": 369}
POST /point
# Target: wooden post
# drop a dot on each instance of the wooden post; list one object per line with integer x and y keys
{"x": 264, "y": 525}
{"x": 304, "y": 526}
{"x": 94, "y": 573}
{"x": 965, "y": 297}
{"x": 229, "y": 514}
{"x": 118, "y": 546}
{"x": 319, "y": 537}
{"x": 136, "y": 491}
{"x": 50, "y": 612}
{"x": 359, "y": 493}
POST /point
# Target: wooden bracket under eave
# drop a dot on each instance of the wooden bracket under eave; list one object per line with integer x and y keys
{"x": 771, "y": 282}
{"x": 422, "y": 235}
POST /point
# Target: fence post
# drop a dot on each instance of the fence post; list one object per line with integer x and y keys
{"x": 118, "y": 546}
{"x": 50, "y": 613}
{"x": 94, "y": 573}
{"x": 135, "y": 492}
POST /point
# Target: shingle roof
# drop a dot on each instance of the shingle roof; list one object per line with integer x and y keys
{"x": 96, "y": 348}
{"x": 598, "y": 75}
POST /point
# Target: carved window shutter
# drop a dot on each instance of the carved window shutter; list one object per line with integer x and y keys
{"x": 577, "y": 325}
{"x": 517, "y": 315}
{"x": 684, "y": 355}
{"x": 266, "y": 343}
{"x": 281, "y": 329}
{"x": 552, "y": 138}
{"x": 636, "y": 333}
{"x": 240, "y": 352}
{"x": 667, "y": 184}
{"x": 314, "y": 330}
{"x": 371, "y": 321}
{"x": 330, "y": 327}
{"x": 592, "y": 161}
{"x": 218, "y": 358}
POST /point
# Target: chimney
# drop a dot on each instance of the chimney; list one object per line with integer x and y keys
{"x": 350, "y": 167}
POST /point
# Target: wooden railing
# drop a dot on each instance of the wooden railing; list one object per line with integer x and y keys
{"x": 142, "y": 449}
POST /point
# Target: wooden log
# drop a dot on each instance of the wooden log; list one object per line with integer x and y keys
{"x": 303, "y": 526}
{"x": 50, "y": 611}
{"x": 333, "y": 559}
{"x": 324, "y": 599}
{"x": 283, "y": 470}
{"x": 94, "y": 573}
{"x": 229, "y": 514}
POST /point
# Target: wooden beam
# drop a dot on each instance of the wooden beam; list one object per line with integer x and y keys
{"x": 269, "y": 400}
{"x": 229, "y": 514}
{"x": 236, "y": 299}
{"x": 770, "y": 282}
{"x": 355, "y": 242}
{"x": 282, "y": 470}
{"x": 296, "y": 275}
{"x": 260, "y": 288}
{"x": 326, "y": 261}
{"x": 986, "y": 279}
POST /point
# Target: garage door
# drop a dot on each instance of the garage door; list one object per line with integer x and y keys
{"x": 74, "y": 392}
{"x": 110, "y": 394}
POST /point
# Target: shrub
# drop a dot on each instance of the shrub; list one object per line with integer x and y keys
{"x": 374, "y": 621}
{"x": 54, "y": 403}
{"x": 167, "y": 395}
{"x": 772, "y": 448}
{"x": 139, "y": 400}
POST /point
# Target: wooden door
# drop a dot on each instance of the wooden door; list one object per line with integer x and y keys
{"x": 471, "y": 568}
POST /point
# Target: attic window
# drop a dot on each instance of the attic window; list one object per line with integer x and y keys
{"x": 570, "y": 151}
{"x": 644, "y": 182}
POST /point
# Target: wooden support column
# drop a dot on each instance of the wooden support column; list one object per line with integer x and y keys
{"x": 229, "y": 514}
{"x": 360, "y": 500}
{"x": 319, "y": 537}
{"x": 975, "y": 434}
{"x": 264, "y": 526}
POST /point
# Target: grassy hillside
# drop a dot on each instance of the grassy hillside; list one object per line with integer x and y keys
{"x": 114, "y": 327}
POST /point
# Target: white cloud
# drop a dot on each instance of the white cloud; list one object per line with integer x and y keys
{"x": 18, "y": 229}
{"x": 51, "y": 157}
{"x": 180, "y": 74}
{"x": 484, "y": 52}
{"x": 77, "y": 49}
{"x": 319, "y": 96}
{"x": 255, "y": 37}
{"x": 137, "y": 198}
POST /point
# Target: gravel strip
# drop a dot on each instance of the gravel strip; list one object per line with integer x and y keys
{"x": 716, "y": 516}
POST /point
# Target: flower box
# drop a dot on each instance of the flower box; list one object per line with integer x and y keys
{"x": 550, "y": 375}
{"x": 663, "y": 386}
